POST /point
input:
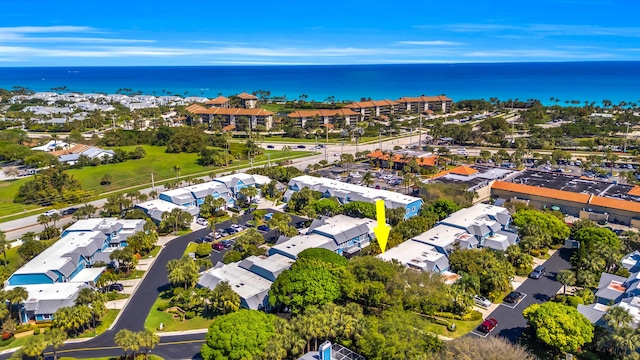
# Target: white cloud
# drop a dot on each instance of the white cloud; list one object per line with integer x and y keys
{"x": 46, "y": 29}
{"x": 429, "y": 43}
{"x": 537, "y": 53}
{"x": 543, "y": 29}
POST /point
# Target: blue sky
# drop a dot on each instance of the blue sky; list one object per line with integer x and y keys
{"x": 214, "y": 32}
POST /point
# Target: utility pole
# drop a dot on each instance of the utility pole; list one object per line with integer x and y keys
{"x": 626, "y": 137}
{"x": 325, "y": 153}
{"x": 410, "y": 138}
{"x": 153, "y": 184}
{"x": 420, "y": 130}
{"x": 380, "y": 139}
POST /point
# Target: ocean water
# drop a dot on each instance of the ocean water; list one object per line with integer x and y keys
{"x": 582, "y": 81}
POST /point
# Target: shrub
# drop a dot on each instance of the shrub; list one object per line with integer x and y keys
{"x": 451, "y": 327}
{"x": 203, "y": 249}
{"x": 36, "y": 331}
{"x": 472, "y": 316}
{"x": 441, "y": 322}
{"x": 6, "y": 341}
{"x": 6, "y": 336}
{"x": 162, "y": 307}
{"x": 586, "y": 295}
{"x": 535, "y": 253}
{"x": 574, "y": 301}
{"x": 190, "y": 314}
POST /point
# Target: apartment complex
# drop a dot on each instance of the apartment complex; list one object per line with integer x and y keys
{"x": 54, "y": 277}
{"x": 345, "y": 193}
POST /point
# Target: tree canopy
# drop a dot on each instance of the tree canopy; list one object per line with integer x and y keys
{"x": 559, "y": 325}
{"x": 240, "y": 335}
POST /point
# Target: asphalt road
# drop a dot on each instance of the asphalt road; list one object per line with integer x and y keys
{"x": 511, "y": 323}
{"x": 132, "y": 317}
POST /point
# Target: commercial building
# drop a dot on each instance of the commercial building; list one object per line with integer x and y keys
{"x": 341, "y": 234}
{"x": 250, "y": 278}
{"x": 346, "y": 193}
{"x": 402, "y": 158}
{"x": 573, "y": 195}
{"x": 476, "y": 178}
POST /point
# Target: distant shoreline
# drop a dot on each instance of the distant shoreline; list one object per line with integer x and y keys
{"x": 582, "y": 81}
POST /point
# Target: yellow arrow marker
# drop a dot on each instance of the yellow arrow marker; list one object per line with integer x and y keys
{"x": 382, "y": 229}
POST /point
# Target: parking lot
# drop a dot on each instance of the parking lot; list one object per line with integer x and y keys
{"x": 384, "y": 179}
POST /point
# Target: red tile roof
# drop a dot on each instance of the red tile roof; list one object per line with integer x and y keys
{"x": 197, "y": 109}
{"x": 245, "y": 96}
{"x": 399, "y": 158}
{"x": 321, "y": 113}
{"x": 460, "y": 170}
{"x": 635, "y": 191}
{"x": 423, "y": 98}
{"x": 229, "y": 127}
{"x": 615, "y": 203}
{"x": 372, "y": 103}
{"x": 217, "y": 101}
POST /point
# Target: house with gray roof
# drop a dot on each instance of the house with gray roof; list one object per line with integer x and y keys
{"x": 342, "y": 234}
{"x": 250, "y": 278}
{"x": 44, "y": 300}
{"x": 417, "y": 255}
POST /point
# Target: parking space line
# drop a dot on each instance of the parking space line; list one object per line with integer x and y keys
{"x": 514, "y": 305}
{"x": 482, "y": 335}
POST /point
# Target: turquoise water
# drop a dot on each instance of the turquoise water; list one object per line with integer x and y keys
{"x": 582, "y": 81}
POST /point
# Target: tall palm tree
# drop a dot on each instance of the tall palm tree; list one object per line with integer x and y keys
{"x": 55, "y": 337}
{"x": 566, "y": 277}
{"x": 148, "y": 340}
{"x": 4, "y": 246}
{"x": 367, "y": 179}
{"x": 16, "y": 296}
{"x": 127, "y": 340}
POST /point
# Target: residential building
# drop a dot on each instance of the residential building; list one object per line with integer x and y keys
{"x": 116, "y": 230}
{"x": 155, "y": 208}
{"x": 235, "y": 182}
{"x": 489, "y": 225}
{"x": 374, "y": 108}
{"x": 417, "y": 255}
{"x": 324, "y": 117}
{"x": 248, "y": 101}
{"x": 45, "y": 299}
{"x": 574, "y": 195}
{"x": 235, "y": 118}
{"x": 219, "y": 102}
{"x": 346, "y": 193}
{"x": 250, "y": 278}
{"x": 341, "y": 234}
{"x": 71, "y": 155}
{"x": 440, "y": 103}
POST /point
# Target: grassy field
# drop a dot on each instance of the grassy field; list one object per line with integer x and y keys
{"x": 191, "y": 248}
{"x": 135, "y": 174}
{"x": 156, "y": 317}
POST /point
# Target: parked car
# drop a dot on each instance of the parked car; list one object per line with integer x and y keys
{"x": 263, "y": 228}
{"x": 513, "y": 297}
{"x": 201, "y": 240}
{"x": 217, "y": 235}
{"x": 69, "y": 211}
{"x": 226, "y": 243}
{"x": 537, "y": 272}
{"x": 236, "y": 227}
{"x": 218, "y": 246}
{"x": 488, "y": 325}
{"x": 249, "y": 224}
{"x": 230, "y": 230}
{"x": 377, "y": 187}
{"x": 201, "y": 221}
{"x": 116, "y": 287}
{"x": 50, "y": 212}
{"x": 481, "y": 301}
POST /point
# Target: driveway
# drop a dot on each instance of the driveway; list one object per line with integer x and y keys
{"x": 511, "y": 323}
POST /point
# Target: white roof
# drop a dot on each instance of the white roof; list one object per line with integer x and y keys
{"x": 340, "y": 223}
{"x": 356, "y": 192}
{"x": 275, "y": 263}
{"x": 298, "y": 244}
{"x": 160, "y": 205}
{"x": 55, "y": 256}
{"x": 87, "y": 275}
{"x": 414, "y": 254}
{"x": 441, "y": 235}
{"x": 243, "y": 282}
{"x": 469, "y": 216}
{"x": 50, "y": 291}
{"x": 180, "y": 193}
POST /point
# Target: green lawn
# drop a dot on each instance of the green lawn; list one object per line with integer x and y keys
{"x": 156, "y": 317}
{"x": 135, "y": 274}
{"x": 191, "y": 248}
{"x": 132, "y": 175}
{"x": 462, "y": 328}
{"x": 18, "y": 342}
{"x": 154, "y": 252}
{"x": 106, "y": 321}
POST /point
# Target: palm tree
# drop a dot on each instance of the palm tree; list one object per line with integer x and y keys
{"x": 55, "y": 338}
{"x": 566, "y": 277}
{"x": 128, "y": 340}
{"x": 153, "y": 194}
{"x": 617, "y": 317}
{"x": 16, "y": 296}
{"x": 4, "y": 246}
{"x": 34, "y": 346}
{"x": 249, "y": 192}
{"x": 407, "y": 179}
{"x": 148, "y": 340}
{"x": 367, "y": 179}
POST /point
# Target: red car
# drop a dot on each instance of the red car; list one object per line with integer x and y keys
{"x": 218, "y": 246}
{"x": 488, "y": 325}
